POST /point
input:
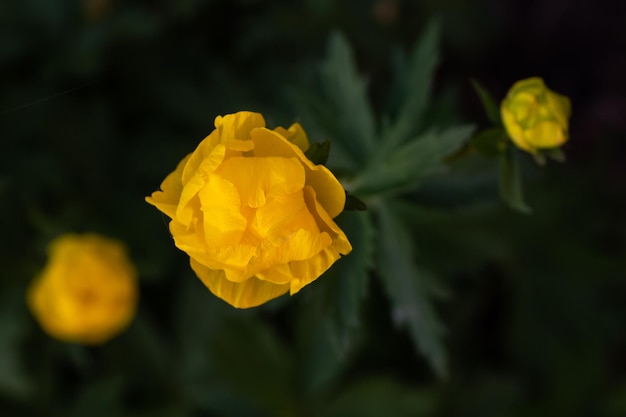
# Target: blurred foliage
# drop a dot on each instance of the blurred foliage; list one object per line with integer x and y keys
{"x": 523, "y": 313}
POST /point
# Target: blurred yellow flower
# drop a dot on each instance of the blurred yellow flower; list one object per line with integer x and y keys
{"x": 534, "y": 116}
{"x": 87, "y": 292}
{"x": 252, "y": 212}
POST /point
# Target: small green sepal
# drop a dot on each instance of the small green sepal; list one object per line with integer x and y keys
{"x": 318, "y": 152}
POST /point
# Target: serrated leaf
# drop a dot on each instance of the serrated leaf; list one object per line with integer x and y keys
{"x": 490, "y": 142}
{"x": 344, "y": 285}
{"x": 416, "y": 87}
{"x": 511, "y": 182}
{"x": 381, "y": 396}
{"x": 318, "y": 152}
{"x": 408, "y": 289}
{"x": 413, "y": 161}
{"x": 347, "y": 92}
{"x": 489, "y": 104}
{"x": 329, "y": 325}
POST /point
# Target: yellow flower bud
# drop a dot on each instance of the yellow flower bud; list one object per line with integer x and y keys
{"x": 534, "y": 116}
{"x": 87, "y": 292}
{"x": 253, "y": 213}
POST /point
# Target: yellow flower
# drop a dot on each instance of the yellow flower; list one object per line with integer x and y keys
{"x": 87, "y": 292}
{"x": 534, "y": 116}
{"x": 252, "y": 212}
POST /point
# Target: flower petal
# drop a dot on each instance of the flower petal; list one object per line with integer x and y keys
{"x": 268, "y": 174}
{"x": 224, "y": 224}
{"x": 296, "y": 135}
{"x": 331, "y": 194}
{"x": 167, "y": 199}
{"x": 250, "y": 293}
{"x": 309, "y": 270}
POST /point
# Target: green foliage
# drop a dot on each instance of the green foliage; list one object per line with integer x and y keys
{"x": 408, "y": 287}
{"x": 491, "y": 108}
{"x": 318, "y": 152}
{"x": 511, "y": 182}
{"x": 411, "y": 162}
{"x": 524, "y": 314}
{"x": 415, "y": 85}
{"x": 347, "y": 91}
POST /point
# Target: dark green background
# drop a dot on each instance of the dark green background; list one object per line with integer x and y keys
{"x": 97, "y": 106}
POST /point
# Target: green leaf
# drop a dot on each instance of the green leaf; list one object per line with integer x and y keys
{"x": 329, "y": 323}
{"x": 556, "y": 154}
{"x": 490, "y": 142}
{"x": 511, "y": 182}
{"x": 416, "y": 86}
{"x": 415, "y": 160}
{"x": 376, "y": 397}
{"x": 347, "y": 93}
{"x": 354, "y": 203}
{"x": 346, "y": 281}
{"x": 409, "y": 289}
{"x": 318, "y": 152}
{"x": 489, "y": 104}
{"x": 340, "y": 291}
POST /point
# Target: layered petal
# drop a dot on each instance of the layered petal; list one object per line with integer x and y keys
{"x": 331, "y": 193}
{"x": 250, "y": 293}
{"x": 167, "y": 199}
{"x": 253, "y": 213}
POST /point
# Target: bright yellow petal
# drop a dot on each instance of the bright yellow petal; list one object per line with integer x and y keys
{"x": 282, "y": 216}
{"x": 330, "y": 192}
{"x": 167, "y": 199}
{"x": 326, "y": 223}
{"x": 250, "y": 293}
{"x": 203, "y": 151}
{"x": 193, "y": 244}
{"x": 256, "y": 178}
{"x": 234, "y": 129}
{"x": 309, "y": 270}
{"x": 224, "y": 224}
{"x": 296, "y": 135}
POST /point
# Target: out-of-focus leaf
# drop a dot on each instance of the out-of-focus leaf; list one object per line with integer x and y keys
{"x": 489, "y": 104}
{"x": 409, "y": 164}
{"x": 345, "y": 284}
{"x": 511, "y": 182}
{"x": 555, "y": 154}
{"x": 416, "y": 87}
{"x": 318, "y": 152}
{"x": 249, "y": 356}
{"x": 347, "y": 92}
{"x": 490, "y": 142}
{"x": 409, "y": 288}
{"x": 378, "y": 397}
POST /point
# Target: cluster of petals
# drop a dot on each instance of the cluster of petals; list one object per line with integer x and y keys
{"x": 87, "y": 292}
{"x": 253, "y": 213}
{"x": 534, "y": 116}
